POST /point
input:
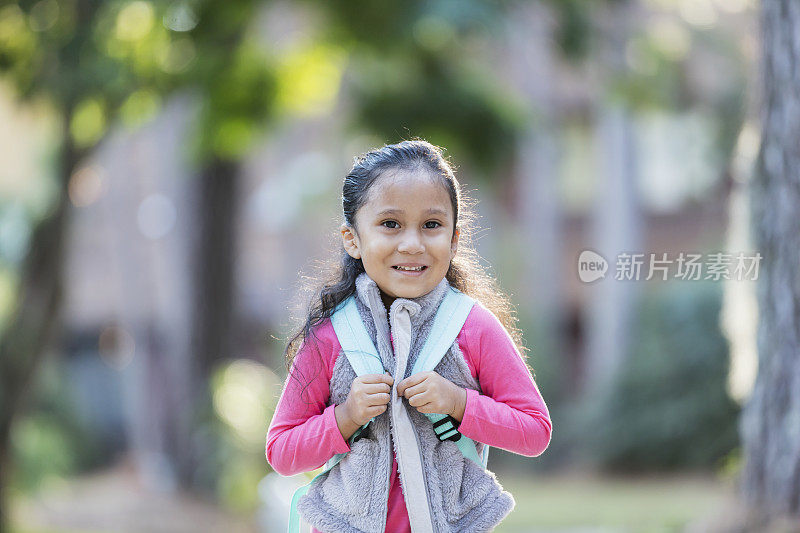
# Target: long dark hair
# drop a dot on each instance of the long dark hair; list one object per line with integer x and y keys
{"x": 465, "y": 273}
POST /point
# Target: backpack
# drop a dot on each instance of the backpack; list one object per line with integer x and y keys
{"x": 364, "y": 358}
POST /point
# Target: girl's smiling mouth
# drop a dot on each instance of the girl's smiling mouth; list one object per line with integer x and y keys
{"x": 410, "y": 269}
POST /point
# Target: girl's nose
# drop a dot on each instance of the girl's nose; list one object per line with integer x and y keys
{"x": 411, "y": 243}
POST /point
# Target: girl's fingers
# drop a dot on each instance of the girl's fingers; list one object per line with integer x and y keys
{"x": 419, "y": 400}
{"x": 412, "y": 391}
{"x": 380, "y": 398}
{"x": 413, "y": 380}
{"x": 377, "y": 378}
{"x": 373, "y": 388}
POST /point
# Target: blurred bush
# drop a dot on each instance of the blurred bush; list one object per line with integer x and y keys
{"x": 669, "y": 407}
{"x": 231, "y": 437}
{"x": 51, "y": 438}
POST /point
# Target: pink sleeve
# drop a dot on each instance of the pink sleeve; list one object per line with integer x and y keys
{"x": 509, "y": 413}
{"x": 303, "y": 433}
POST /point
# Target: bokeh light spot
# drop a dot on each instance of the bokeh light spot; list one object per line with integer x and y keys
{"x": 177, "y": 56}
{"x": 670, "y": 39}
{"x": 309, "y": 79}
{"x": 244, "y": 399}
{"x": 85, "y": 186}
{"x": 180, "y": 17}
{"x": 16, "y": 38}
{"x": 700, "y": 13}
{"x": 88, "y": 122}
{"x": 156, "y": 216}
{"x": 134, "y": 21}
{"x": 140, "y": 107}
{"x": 116, "y": 347}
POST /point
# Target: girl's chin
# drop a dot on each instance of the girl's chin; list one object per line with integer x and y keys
{"x": 410, "y": 293}
{"x": 407, "y": 294}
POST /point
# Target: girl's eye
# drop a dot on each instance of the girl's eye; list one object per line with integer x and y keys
{"x": 391, "y": 224}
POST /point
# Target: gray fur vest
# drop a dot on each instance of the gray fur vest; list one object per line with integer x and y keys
{"x": 352, "y": 496}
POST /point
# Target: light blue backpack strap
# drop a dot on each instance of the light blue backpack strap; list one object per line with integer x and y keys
{"x": 447, "y": 323}
{"x": 356, "y": 343}
{"x": 355, "y": 340}
{"x": 294, "y": 516}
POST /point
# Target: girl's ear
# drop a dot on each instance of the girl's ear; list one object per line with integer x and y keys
{"x": 454, "y": 243}
{"x": 350, "y": 241}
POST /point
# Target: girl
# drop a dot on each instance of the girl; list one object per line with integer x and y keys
{"x": 403, "y": 220}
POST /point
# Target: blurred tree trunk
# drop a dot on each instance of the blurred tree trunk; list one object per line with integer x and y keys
{"x": 214, "y": 259}
{"x": 770, "y": 423}
{"x": 616, "y": 220}
{"x": 531, "y": 31}
{"x": 616, "y": 224}
{"x": 34, "y": 323}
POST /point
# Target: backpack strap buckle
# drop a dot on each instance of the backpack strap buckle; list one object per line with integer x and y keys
{"x": 447, "y": 429}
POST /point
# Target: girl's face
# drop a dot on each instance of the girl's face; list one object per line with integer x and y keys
{"x": 404, "y": 234}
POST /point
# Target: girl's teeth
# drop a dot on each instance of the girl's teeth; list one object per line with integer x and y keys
{"x": 408, "y": 268}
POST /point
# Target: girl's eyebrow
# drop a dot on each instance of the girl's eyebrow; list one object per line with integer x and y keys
{"x": 394, "y": 211}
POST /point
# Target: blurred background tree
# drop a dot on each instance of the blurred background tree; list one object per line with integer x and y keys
{"x": 56, "y": 51}
{"x": 769, "y": 426}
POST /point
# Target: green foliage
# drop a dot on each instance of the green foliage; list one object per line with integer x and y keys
{"x": 236, "y": 105}
{"x": 233, "y": 76}
{"x": 72, "y": 49}
{"x": 391, "y": 26}
{"x": 416, "y": 73}
{"x": 439, "y": 101}
{"x": 669, "y": 407}
{"x": 50, "y": 439}
{"x": 42, "y": 450}
{"x": 99, "y": 61}
{"x": 574, "y": 27}
{"x": 106, "y": 60}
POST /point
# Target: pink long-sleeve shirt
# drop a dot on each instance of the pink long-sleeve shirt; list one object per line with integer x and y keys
{"x": 510, "y": 413}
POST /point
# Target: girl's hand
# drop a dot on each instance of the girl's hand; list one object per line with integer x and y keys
{"x": 431, "y": 393}
{"x": 369, "y": 395}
